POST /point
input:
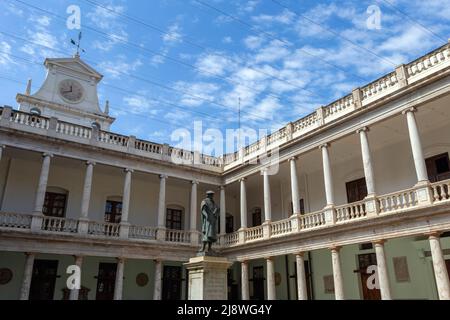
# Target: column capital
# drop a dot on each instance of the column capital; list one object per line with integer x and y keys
{"x": 294, "y": 158}
{"x": 126, "y": 170}
{"x": 363, "y": 129}
{"x": 379, "y": 242}
{"x": 270, "y": 258}
{"x": 412, "y": 109}
{"x": 222, "y": 187}
{"x": 324, "y": 146}
{"x": 158, "y": 260}
{"x": 300, "y": 253}
{"x": 30, "y": 253}
{"x": 2, "y": 146}
{"x": 335, "y": 248}
{"x": 242, "y": 179}
{"x": 433, "y": 234}
{"x": 244, "y": 261}
{"x": 47, "y": 154}
{"x": 120, "y": 259}
{"x": 90, "y": 163}
{"x": 163, "y": 176}
{"x": 195, "y": 182}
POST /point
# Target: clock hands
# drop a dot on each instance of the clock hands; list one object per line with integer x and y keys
{"x": 71, "y": 90}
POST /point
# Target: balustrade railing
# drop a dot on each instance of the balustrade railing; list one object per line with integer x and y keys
{"x": 278, "y": 228}
{"x": 254, "y": 233}
{"x": 179, "y": 236}
{"x": 104, "y": 229}
{"x": 312, "y": 220}
{"x": 15, "y": 220}
{"x": 397, "y": 201}
{"x": 112, "y": 138}
{"x": 71, "y": 129}
{"x": 142, "y": 232}
{"x": 56, "y": 224}
{"x": 441, "y": 191}
{"x": 148, "y": 146}
{"x": 231, "y": 239}
{"x": 351, "y": 211}
{"x": 428, "y": 61}
{"x": 29, "y": 119}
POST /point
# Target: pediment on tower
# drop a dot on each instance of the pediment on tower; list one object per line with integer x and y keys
{"x": 74, "y": 64}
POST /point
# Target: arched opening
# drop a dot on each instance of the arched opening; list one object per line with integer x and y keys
{"x": 35, "y": 111}
{"x": 113, "y": 209}
{"x": 55, "y": 202}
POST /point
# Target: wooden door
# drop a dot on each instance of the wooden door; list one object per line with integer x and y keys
{"x": 43, "y": 279}
{"x": 171, "y": 286}
{"x": 258, "y": 283}
{"x": 106, "y": 281}
{"x": 256, "y": 217}
{"x": 356, "y": 190}
{"x": 438, "y": 167}
{"x": 113, "y": 211}
{"x": 366, "y": 260}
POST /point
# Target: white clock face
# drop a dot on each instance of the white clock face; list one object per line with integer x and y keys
{"x": 71, "y": 90}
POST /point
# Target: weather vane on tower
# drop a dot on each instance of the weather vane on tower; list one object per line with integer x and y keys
{"x": 77, "y": 44}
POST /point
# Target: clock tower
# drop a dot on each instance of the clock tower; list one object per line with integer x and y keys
{"x": 68, "y": 93}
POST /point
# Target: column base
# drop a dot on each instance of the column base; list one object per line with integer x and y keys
{"x": 372, "y": 206}
{"x": 208, "y": 278}
{"x": 36, "y": 222}
{"x": 266, "y": 229}
{"x": 330, "y": 214}
{"x": 83, "y": 225}
{"x": 161, "y": 234}
{"x": 241, "y": 232}
{"x": 124, "y": 230}
{"x": 423, "y": 192}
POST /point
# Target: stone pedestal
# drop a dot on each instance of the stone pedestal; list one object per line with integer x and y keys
{"x": 208, "y": 278}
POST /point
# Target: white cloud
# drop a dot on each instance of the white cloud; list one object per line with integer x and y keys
{"x": 5, "y": 58}
{"x": 274, "y": 51}
{"x": 196, "y": 93}
{"x": 115, "y": 69}
{"x": 173, "y": 34}
{"x": 285, "y": 17}
{"x": 227, "y": 40}
{"x": 140, "y": 104}
{"x": 253, "y": 42}
{"x": 213, "y": 64}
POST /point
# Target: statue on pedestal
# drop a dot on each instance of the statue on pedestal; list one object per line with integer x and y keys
{"x": 209, "y": 214}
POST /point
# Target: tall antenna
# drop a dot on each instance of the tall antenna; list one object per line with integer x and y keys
{"x": 239, "y": 123}
{"x": 77, "y": 44}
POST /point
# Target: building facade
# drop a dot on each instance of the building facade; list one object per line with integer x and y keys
{"x": 359, "y": 207}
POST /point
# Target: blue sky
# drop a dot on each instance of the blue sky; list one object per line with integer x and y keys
{"x": 168, "y": 63}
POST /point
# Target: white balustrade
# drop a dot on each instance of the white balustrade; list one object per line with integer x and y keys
{"x": 379, "y": 86}
{"x": 441, "y": 191}
{"x": 281, "y": 227}
{"x": 254, "y": 233}
{"x": 15, "y": 220}
{"x": 305, "y": 123}
{"x": 431, "y": 60}
{"x": 71, "y": 129}
{"x": 179, "y": 236}
{"x": 340, "y": 106}
{"x": 397, "y": 201}
{"x": 104, "y": 229}
{"x": 312, "y": 220}
{"x": 142, "y": 232}
{"x": 56, "y": 224}
{"x": 351, "y": 211}
{"x": 148, "y": 146}
{"x": 114, "y": 139}
{"x": 231, "y": 238}
{"x": 30, "y": 120}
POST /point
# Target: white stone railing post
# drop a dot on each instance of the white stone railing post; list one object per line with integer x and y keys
{"x": 357, "y": 97}
{"x": 83, "y": 222}
{"x": 36, "y": 222}
{"x": 161, "y": 232}
{"x": 6, "y": 115}
{"x": 402, "y": 75}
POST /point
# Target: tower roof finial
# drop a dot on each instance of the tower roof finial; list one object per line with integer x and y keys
{"x": 77, "y": 44}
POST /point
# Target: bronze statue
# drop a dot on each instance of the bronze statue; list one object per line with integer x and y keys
{"x": 210, "y": 214}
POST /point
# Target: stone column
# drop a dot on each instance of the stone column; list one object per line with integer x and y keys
{"x": 294, "y": 187}
{"x": 327, "y": 176}
{"x": 161, "y": 234}
{"x": 367, "y": 160}
{"x": 337, "y": 274}
{"x": 74, "y": 294}
{"x": 42, "y": 185}
{"x": 223, "y": 211}
{"x": 302, "y": 291}
{"x": 383, "y": 275}
{"x": 118, "y": 287}
{"x": 36, "y": 222}
{"x": 243, "y": 209}
{"x": 244, "y": 281}
{"x": 194, "y": 213}
{"x": 158, "y": 280}
{"x": 124, "y": 224}
{"x": 1, "y": 151}
{"x": 271, "y": 290}
{"x": 86, "y": 197}
{"x": 267, "y": 199}
{"x": 27, "y": 275}
{"x": 416, "y": 146}
{"x": 440, "y": 269}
